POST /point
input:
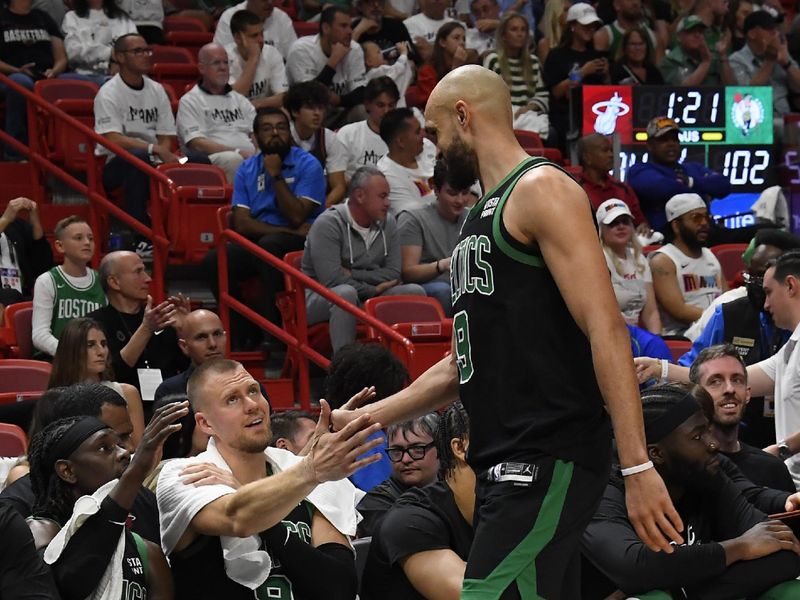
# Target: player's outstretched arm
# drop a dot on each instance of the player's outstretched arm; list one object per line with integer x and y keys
{"x": 549, "y": 208}
{"x": 436, "y": 387}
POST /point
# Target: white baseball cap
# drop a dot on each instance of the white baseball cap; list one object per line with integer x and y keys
{"x": 583, "y": 13}
{"x": 611, "y": 209}
{"x": 680, "y": 204}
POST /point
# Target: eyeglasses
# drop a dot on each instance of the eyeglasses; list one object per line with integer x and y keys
{"x": 138, "y": 51}
{"x": 751, "y": 279}
{"x": 415, "y": 452}
{"x": 269, "y": 128}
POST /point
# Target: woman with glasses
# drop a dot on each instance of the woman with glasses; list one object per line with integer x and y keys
{"x": 634, "y": 64}
{"x": 630, "y": 273}
{"x": 83, "y": 356}
{"x": 89, "y": 33}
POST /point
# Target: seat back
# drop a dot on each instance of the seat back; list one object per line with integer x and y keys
{"x": 65, "y": 89}
{"x": 295, "y": 259}
{"x": 191, "y": 212}
{"x": 176, "y": 76}
{"x": 528, "y": 139}
{"x": 405, "y": 309}
{"x": 303, "y": 28}
{"x": 176, "y": 23}
{"x": 18, "y": 319}
{"x": 678, "y": 348}
{"x": 191, "y": 41}
{"x": 22, "y": 375}
{"x": 172, "y": 55}
{"x": 13, "y": 441}
{"x": 730, "y": 259}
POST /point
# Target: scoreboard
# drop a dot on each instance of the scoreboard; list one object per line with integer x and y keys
{"x": 728, "y": 129}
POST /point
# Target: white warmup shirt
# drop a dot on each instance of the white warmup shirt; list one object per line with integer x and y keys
{"x": 149, "y": 13}
{"x": 278, "y": 29}
{"x": 364, "y": 147}
{"x": 699, "y": 280}
{"x": 306, "y": 61}
{"x": 226, "y": 119}
{"x": 143, "y": 114}
{"x": 270, "y": 77}
{"x": 88, "y": 41}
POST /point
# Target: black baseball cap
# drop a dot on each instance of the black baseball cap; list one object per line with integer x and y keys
{"x": 759, "y": 18}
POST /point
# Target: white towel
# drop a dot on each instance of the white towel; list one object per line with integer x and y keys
{"x": 110, "y": 586}
{"x": 245, "y": 563}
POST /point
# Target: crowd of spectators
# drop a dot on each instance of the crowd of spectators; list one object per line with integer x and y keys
{"x": 322, "y": 139}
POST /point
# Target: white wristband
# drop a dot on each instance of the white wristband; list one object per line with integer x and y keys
{"x": 637, "y": 468}
{"x": 150, "y": 149}
{"x": 664, "y": 370}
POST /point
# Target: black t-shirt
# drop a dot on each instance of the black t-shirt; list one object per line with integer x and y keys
{"x": 204, "y": 555}
{"x": 374, "y": 505}
{"x": 623, "y": 76}
{"x": 144, "y": 512}
{"x": 422, "y": 519}
{"x": 27, "y": 39}
{"x": 23, "y": 574}
{"x": 161, "y": 352}
{"x": 557, "y": 67}
{"x": 525, "y": 367}
{"x": 391, "y": 32}
{"x": 762, "y": 468}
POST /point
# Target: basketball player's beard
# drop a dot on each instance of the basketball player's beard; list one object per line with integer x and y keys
{"x": 462, "y": 165}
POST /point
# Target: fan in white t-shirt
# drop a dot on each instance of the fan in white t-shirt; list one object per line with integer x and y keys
{"x": 408, "y": 166}
{"x": 630, "y": 272}
{"x": 213, "y": 118}
{"x": 307, "y": 104}
{"x": 423, "y": 26}
{"x": 278, "y": 29}
{"x": 256, "y": 69}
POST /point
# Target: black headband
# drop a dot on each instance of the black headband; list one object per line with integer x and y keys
{"x": 657, "y": 430}
{"x": 73, "y": 438}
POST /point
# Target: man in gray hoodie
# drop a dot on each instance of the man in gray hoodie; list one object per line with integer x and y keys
{"x": 353, "y": 249}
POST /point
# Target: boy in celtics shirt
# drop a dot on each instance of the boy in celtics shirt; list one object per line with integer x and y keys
{"x": 69, "y": 290}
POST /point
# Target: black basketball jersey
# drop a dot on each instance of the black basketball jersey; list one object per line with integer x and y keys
{"x": 525, "y": 367}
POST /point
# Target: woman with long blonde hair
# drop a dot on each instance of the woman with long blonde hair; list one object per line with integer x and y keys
{"x": 552, "y": 25}
{"x": 629, "y": 269}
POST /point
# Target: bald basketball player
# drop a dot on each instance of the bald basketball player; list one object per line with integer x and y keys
{"x": 538, "y": 346}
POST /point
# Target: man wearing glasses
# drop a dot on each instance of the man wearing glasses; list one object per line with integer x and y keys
{"x": 277, "y": 194}
{"x": 415, "y": 463}
{"x": 134, "y": 112}
{"x": 687, "y": 277}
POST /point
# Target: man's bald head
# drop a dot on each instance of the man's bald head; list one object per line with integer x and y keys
{"x": 109, "y": 266}
{"x": 202, "y": 336}
{"x": 208, "y": 52}
{"x": 471, "y": 92}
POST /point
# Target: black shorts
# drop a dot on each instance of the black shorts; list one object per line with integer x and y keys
{"x": 527, "y": 539}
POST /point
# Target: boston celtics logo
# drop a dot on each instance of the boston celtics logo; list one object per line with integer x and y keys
{"x": 747, "y": 113}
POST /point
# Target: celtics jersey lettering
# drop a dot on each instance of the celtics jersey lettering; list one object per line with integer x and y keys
{"x": 524, "y": 366}
{"x": 277, "y": 586}
{"x": 72, "y": 302}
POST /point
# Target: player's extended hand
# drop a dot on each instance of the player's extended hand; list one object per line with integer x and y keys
{"x": 651, "y": 511}
{"x": 335, "y": 455}
{"x": 647, "y": 368}
{"x": 161, "y": 426}
{"x": 342, "y": 416}
{"x": 208, "y": 474}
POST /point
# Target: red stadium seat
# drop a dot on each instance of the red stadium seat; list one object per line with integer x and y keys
{"x": 528, "y": 139}
{"x": 730, "y": 259}
{"x": 191, "y": 41}
{"x": 172, "y": 54}
{"x": 421, "y": 320}
{"x": 176, "y": 76}
{"x": 22, "y": 375}
{"x": 178, "y": 23}
{"x": 678, "y": 348}
{"x": 192, "y": 214}
{"x": 13, "y": 441}
{"x": 302, "y": 28}
{"x": 15, "y": 335}
{"x": 65, "y": 89}
{"x": 551, "y": 154}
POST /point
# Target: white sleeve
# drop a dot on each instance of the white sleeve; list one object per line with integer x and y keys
{"x": 289, "y": 36}
{"x": 190, "y": 119}
{"x": 278, "y": 82}
{"x": 44, "y": 297}
{"x": 770, "y": 365}
{"x": 107, "y": 118}
{"x": 166, "y": 120}
{"x": 79, "y": 44}
{"x": 357, "y": 71}
{"x": 336, "y": 159}
{"x": 222, "y": 34}
{"x": 301, "y": 66}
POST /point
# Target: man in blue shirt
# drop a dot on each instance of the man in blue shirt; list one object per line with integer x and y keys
{"x": 277, "y": 194}
{"x": 663, "y": 176}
